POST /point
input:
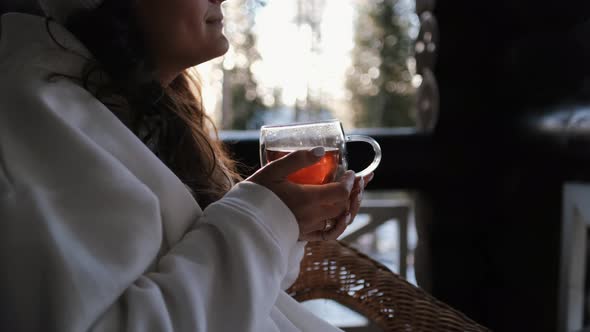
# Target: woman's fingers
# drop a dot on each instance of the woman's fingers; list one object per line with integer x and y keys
{"x": 325, "y": 202}
{"x": 360, "y": 183}
{"x": 356, "y": 197}
{"x": 295, "y": 161}
{"x": 355, "y": 203}
{"x": 319, "y": 233}
{"x": 277, "y": 171}
{"x": 368, "y": 178}
{"x": 318, "y": 221}
{"x": 331, "y": 234}
{"x": 334, "y": 192}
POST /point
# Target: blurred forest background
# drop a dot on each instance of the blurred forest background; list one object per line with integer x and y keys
{"x": 307, "y": 60}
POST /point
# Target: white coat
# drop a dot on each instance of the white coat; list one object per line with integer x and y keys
{"x": 96, "y": 234}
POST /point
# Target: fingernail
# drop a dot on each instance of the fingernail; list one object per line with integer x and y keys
{"x": 348, "y": 217}
{"x": 318, "y": 151}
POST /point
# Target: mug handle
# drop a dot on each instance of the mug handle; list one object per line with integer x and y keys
{"x": 376, "y": 149}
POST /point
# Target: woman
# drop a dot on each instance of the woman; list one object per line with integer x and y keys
{"x": 118, "y": 211}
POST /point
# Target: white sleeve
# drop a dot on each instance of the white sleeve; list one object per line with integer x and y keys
{"x": 224, "y": 275}
{"x": 81, "y": 238}
{"x": 293, "y": 265}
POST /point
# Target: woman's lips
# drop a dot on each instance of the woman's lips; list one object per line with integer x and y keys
{"x": 214, "y": 20}
{"x": 217, "y": 22}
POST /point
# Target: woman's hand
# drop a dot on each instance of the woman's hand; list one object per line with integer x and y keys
{"x": 312, "y": 205}
{"x": 356, "y": 197}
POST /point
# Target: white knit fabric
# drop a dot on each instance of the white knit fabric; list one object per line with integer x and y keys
{"x": 60, "y": 10}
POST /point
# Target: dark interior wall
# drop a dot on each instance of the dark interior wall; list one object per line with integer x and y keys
{"x": 497, "y": 203}
{"x": 26, "y": 6}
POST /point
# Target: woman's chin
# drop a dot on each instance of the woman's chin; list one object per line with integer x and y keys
{"x": 220, "y": 49}
{"x": 224, "y": 45}
{"x": 213, "y": 52}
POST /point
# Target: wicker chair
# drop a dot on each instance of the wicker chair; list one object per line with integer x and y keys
{"x": 335, "y": 271}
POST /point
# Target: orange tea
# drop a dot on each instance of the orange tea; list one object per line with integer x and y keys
{"x": 324, "y": 171}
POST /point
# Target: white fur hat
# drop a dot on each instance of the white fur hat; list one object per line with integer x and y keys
{"x": 60, "y": 10}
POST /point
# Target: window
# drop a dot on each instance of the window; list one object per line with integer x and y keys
{"x": 305, "y": 60}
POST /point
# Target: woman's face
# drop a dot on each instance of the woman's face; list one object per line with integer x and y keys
{"x": 182, "y": 33}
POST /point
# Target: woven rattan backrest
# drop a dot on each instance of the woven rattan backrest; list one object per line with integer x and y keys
{"x": 333, "y": 270}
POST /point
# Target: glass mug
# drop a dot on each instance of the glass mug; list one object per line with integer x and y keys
{"x": 278, "y": 141}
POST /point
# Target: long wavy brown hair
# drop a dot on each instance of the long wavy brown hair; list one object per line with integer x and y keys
{"x": 170, "y": 120}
